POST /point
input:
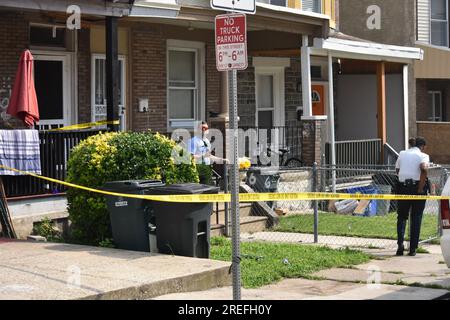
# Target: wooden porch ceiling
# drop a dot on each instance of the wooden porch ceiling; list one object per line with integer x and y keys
{"x": 350, "y": 66}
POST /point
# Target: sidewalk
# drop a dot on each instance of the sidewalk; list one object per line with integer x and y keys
{"x": 39, "y": 270}
{"x": 393, "y": 277}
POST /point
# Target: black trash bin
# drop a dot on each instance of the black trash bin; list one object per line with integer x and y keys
{"x": 183, "y": 228}
{"x": 130, "y": 218}
{"x": 263, "y": 179}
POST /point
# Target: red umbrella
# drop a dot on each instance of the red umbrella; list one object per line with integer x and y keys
{"x": 23, "y": 102}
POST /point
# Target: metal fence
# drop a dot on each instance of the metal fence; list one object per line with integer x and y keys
{"x": 352, "y": 223}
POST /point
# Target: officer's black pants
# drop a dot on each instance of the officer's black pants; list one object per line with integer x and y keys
{"x": 417, "y": 207}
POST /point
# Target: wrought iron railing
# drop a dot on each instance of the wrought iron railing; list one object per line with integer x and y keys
{"x": 357, "y": 152}
{"x": 55, "y": 150}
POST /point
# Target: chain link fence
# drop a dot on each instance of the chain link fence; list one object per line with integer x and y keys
{"x": 344, "y": 223}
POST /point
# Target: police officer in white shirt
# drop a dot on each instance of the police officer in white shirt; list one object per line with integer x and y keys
{"x": 411, "y": 167}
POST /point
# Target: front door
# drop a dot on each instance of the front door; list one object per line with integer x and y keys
{"x": 318, "y": 101}
{"x": 51, "y": 78}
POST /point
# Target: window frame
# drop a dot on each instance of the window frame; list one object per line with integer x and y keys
{"x": 439, "y": 20}
{"x": 200, "y": 83}
{"x": 433, "y": 110}
{"x": 123, "y": 102}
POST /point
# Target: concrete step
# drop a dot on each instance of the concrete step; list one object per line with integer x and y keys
{"x": 54, "y": 271}
{"x": 248, "y": 225}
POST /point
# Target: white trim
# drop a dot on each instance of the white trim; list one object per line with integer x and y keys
{"x": 271, "y": 62}
{"x": 434, "y": 122}
{"x": 306, "y": 77}
{"x": 432, "y": 46}
{"x": 68, "y": 90}
{"x": 278, "y": 94}
{"x": 406, "y": 104}
{"x": 160, "y": 8}
{"x": 199, "y": 96}
{"x": 123, "y": 81}
{"x": 370, "y": 49}
{"x": 314, "y": 117}
{"x": 332, "y": 124}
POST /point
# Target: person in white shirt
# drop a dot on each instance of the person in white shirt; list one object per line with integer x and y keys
{"x": 200, "y": 148}
{"x": 411, "y": 168}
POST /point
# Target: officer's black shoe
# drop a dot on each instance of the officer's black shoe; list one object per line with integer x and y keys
{"x": 400, "y": 251}
{"x": 412, "y": 253}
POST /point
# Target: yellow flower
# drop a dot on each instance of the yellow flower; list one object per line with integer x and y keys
{"x": 244, "y": 163}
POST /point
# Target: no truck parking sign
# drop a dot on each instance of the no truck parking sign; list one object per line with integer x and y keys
{"x": 231, "y": 42}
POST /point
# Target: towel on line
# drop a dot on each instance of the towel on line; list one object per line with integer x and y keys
{"x": 19, "y": 149}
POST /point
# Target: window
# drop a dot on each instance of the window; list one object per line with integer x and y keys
{"x": 281, "y": 3}
{"x": 99, "y": 87}
{"x": 312, "y": 5}
{"x": 184, "y": 99}
{"x": 439, "y": 22}
{"x": 435, "y": 106}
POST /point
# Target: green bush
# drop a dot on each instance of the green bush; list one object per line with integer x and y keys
{"x": 113, "y": 157}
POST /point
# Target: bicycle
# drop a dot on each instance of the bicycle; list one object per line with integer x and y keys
{"x": 289, "y": 162}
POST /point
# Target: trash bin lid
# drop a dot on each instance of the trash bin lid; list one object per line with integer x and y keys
{"x": 183, "y": 188}
{"x": 266, "y": 171}
{"x": 131, "y": 185}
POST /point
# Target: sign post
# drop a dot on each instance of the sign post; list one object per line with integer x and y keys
{"x": 231, "y": 55}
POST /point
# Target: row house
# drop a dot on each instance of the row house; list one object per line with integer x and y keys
{"x": 422, "y": 24}
{"x": 300, "y": 78}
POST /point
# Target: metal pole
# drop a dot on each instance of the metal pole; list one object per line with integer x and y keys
{"x": 316, "y": 205}
{"x": 226, "y": 212}
{"x": 236, "y": 260}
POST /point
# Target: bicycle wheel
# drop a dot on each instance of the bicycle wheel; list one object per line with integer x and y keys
{"x": 293, "y": 163}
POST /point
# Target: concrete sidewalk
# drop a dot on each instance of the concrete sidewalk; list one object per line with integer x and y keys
{"x": 392, "y": 276}
{"x": 33, "y": 270}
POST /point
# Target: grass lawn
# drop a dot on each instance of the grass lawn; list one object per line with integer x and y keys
{"x": 263, "y": 263}
{"x": 383, "y": 227}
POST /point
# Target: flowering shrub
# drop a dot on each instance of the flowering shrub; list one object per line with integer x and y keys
{"x": 114, "y": 157}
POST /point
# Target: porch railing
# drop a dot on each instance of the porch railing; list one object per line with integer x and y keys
{"x": 55, "y": 150}
{"x": 357, "y": 152}
{"x": 288, "y": 137}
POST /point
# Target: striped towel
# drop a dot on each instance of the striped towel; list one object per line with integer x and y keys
{"x": 19, "y": 149}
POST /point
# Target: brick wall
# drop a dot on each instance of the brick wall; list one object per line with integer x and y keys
{"x": 213, "y": 85}
{"x": 312, "y": 134}
{"x": 13, "y": 40}
{"x": 293, "y": 99}
{"x": 422, "y": 88}
{"x": 84, "y": 76}
{"x": 246, "y": 96}
{"x": 148, "y": 77}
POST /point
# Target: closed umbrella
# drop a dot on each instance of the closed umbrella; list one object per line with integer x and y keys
{"x": 23, "y": 103}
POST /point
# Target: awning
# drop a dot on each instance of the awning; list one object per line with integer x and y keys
{"x": 365, "y": 50}
{"x": 160, "y": 8}
{"x": 116, "y": 8}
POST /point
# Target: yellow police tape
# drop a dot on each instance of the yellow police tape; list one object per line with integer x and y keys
{"x": 243, "y": 197}
{"x": 85, "y": 125}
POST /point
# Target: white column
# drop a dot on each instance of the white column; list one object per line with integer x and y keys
{"x": 331, "y": 117}
{"x": 306, "y": 77}
{"x": 406, "y": 103}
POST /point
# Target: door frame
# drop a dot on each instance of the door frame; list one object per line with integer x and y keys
{"x": 278, "y": 94}
{"x": 123, "y": 82}
{"x": 66, "y": 58}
